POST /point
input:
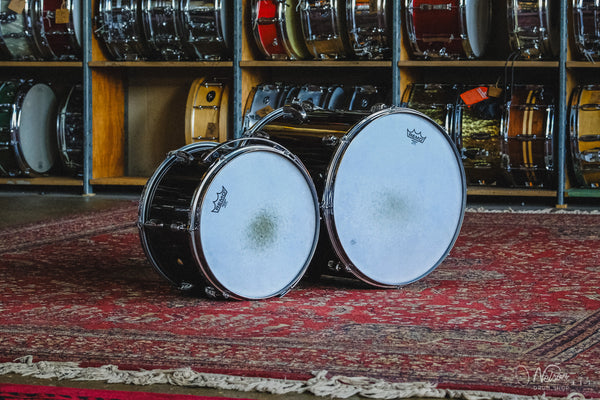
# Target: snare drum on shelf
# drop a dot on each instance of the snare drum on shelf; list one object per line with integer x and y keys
{"x": 585, "y": 135}
{"x": 324, "y": 28}
{"x": 162, "y": 30}
{"x": 451, "y": 29}
{"x": 528, "y": 144}
{"x": 69, "y": 130}
{"x": 365, "y": 96}
{"x": 436, "y": 100}
{"x": 16, "y": 32}
{"x": 263, "y": 99}
{"x": 586, "y": 28}
{"x": 239, "y": 220}
{"x": 533, "y": 28}
{"x": 206, "y": 28}
{"x": 391, "y": 210}
{"x": 57, "y": 28}
{"x": 206, "y": 111}
{"x": 369, "y": 28}
{"x": 27, "y": 128}
{"x": 266, "y": 22}
{"x": 119, "y": 28}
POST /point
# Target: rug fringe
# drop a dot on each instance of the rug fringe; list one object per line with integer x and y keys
{"x": 532, "y": 211}
{"x": 320, "y": 385}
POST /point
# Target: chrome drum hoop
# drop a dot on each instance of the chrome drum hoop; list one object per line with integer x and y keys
{"x": 119, "y": 27}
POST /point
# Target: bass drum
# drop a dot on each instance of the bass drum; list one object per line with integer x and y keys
{"x": 369, "y": 28}
{"x": 528, "y": 143}
{"x": 533, "y": 28}
{"x": 239, "y": 220}
{"x": 448, "y": 29}
{"x": 28, "y": 120}
{"x": 16, "y": 32}
{"x": 478, "y": 134}
{"x": 119, "y": 28}
{"x": 206, "y": 28}
{"x": 436, "y": 100}
{"x": 324, "y": 28}
{"x": 380, "y": 188}
{"x": 585, "y": 135}
{"x": 162, "y": 30}
{"x": 207, "y": 111}
{"x": 586, "y": 28}
{"x": 57, "y": 28}
{"x": 69, "y": 129}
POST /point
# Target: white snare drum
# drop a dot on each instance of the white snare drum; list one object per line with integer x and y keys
{"x": 392, "y": 184}
{"x": 16, "y": 33}
{"x": 206, "y": 111}
{"x": 448, "y": 28}
{"x": 239, "y": 220}
{"x": 533, "y": 27}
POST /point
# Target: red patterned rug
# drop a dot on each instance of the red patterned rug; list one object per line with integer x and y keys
{"x": 515, "y": 308}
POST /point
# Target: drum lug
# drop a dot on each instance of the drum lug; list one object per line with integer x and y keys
{"x": 182, "y": 157}
{"x": 297, "y": 111}
{"x": 330, "y": 140}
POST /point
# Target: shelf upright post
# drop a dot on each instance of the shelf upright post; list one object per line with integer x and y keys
{"x": 396, "y": 43}
{"x": 562, "y": 106}
{"x": 237, "y": 72}
{"x": 87, "y": 95}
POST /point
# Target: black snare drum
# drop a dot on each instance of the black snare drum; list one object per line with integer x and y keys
{"x": 380, "y": 176}
{"x": 69, "y": 129}
{"x": 206, "y": 28}
{"x": 239, "y": 220}
{"x": 162, "y": 30}
{"x": 119, "y": 28}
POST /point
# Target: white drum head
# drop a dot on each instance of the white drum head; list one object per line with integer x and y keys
{"x": 37, "y": 122}
{"x": 259, "y": 222}
{"x": 398, "y": 198}
{"x": 77, "y": 21}
{"x": 478, "y": 25}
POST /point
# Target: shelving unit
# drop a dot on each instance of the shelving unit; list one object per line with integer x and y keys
{"x": 135, "y": 110}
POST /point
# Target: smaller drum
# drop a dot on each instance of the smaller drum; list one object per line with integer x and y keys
{"x": 239, "y": 220}
{"x": 528, "y": 145}
{"x": 436, "y": 100}
{"x": 448, "y": 29}
{"x": 533, "y": 28}
{"x": 369, "y": 28}
{"x": 206, "y": 28}
{"x": 338, "y": 97}
{"x": 57, "y": 27}
{"x": 206, "y": 111}
{"x": 324, "y": 28}
{"x": 162, "y": 30}
{"x": 266, "y": 21}
{"x": 585, "y": 135}
{"x": 16, "y": 32}
{"x": 392, "y": 187}
{"x": 69, "y": 130}
{"x": 27, "y": 128}
{"x": 365, "y": 96}
{"x": 478, "y": 134}
{"x": 586, "y": 28}
{"x": 119, "y": 28}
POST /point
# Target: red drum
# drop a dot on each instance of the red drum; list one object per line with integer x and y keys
{"x": 265, "y": 27}
{"x": 586, "y": 28}
{"x": 57, "y": 28}
{"x": 533, "y": 27}
{"x": 448, "y": 28}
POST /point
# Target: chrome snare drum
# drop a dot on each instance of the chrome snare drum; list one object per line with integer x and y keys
{"x": 533, "y": 27}
{"x": 206, "y": 28}
{"x": 119, "y": 28}
{"x": 161, "y": 29}
{"x": 69, "y": 130}
{"x": 28, "y": 121}
{"x": 448, "y": 28}
{"x": 324, "y": 28}
{"x": 16, "y": 32}
{"x": 239, "y": 220}
{"x": 586, "y": 28}
{"x": 369, "y": 28}
{"x": 391, "y": 210}
{"x": 57, "y": 26}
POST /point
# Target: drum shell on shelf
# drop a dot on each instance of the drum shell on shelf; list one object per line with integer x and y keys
{"x": 324, "y": 28}
{"x": 206, "y": 28}
{"x": 207, "y": 109}
{"x": 69, "y": 130}
{"x": 162, "y": 29}
{"x": 369, "y": 28}
{"x": 16, "y": 33}
{"x": 119, "y": 28}
{"x": 266, "y": 21}
{"x": 586, "y": 28}
{"x": 533, "y": 28}
{"x": 584, "y": 135}
{"x": 436, "y": 100}
{"x": 61, "y": 41}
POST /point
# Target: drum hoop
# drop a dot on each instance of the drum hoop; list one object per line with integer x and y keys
{"x": 149, "y": 192}
{"x": 328, "y": 193}
{"x": 200, "y": 194}
{"x": 255, "y": 33}
{"x": 576, "y": 96}
{"x": 15, "y": 127}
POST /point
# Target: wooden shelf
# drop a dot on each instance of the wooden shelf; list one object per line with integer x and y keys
{"x": 477, "y": 64}
{"x": 120, "y": 181}
{"x": 38, "y": 64}
{"x": 516, "y": 192}
{"x": 582, "y": 64}
{"x": 583, "y": 192}
{"x": 317, "y": 63}
{"x": 42, "y": 181}
{"x": 160, "y": 64}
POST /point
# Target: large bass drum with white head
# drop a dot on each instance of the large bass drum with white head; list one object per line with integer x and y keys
{"x": 392, "y": 187}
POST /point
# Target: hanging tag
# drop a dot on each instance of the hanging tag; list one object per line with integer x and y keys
{"x": 474, "y": 96}
{"x": 494, "y": 91}
{"x": 17, "y": 6}
{"x": 264, "y": 111}
{"x": 61, "y": 16}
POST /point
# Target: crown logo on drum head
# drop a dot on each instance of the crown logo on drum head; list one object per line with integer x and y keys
{"x": 414, "y": 136}
{"x": 220, "y": 202}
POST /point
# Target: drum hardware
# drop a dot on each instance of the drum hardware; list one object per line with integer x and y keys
{"x": 533, "y": 28}
{"x": 439, "y": 7}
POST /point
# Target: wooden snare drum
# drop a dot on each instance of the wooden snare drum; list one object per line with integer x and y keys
{"x": 206, "y": 112}
{"x": 533, "y": 28}
{"x": 324, "y": 28}
{"x": 528, "y": 143}
{"x": 585, "y": 135}
{"x": 450, "y": 29}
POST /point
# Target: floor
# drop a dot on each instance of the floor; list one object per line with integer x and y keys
{"x": 22, "y": 207}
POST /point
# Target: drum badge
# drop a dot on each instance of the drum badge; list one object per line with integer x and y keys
{"x": 220, "y": 201}
{"x": 415, "y": 137}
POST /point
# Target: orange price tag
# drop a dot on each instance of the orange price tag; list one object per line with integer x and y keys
{"x": 61, "y": 16}
{"x": 474, "y": 96}
{"x": 17, "y": 6}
